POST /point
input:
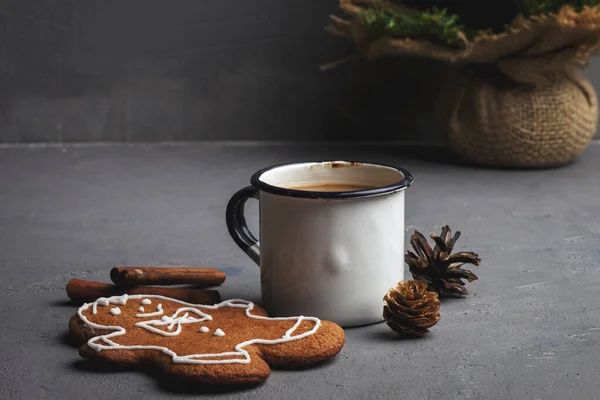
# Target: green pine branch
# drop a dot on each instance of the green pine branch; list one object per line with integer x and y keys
{"x": 435, "y": 22}
{"x": 438, "y": 24}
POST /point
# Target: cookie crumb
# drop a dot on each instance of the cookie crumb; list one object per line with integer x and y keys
{"x": 115, "y": 311}
{"x": 219, "y": 332}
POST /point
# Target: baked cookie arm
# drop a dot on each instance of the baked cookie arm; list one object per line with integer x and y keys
{"x": 324, "y": 344}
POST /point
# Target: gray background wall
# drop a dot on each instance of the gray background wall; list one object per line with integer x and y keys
{"x": 156, "y": 70}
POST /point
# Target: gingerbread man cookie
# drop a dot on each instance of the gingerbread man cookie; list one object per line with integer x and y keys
{"x": 233, "y": 342}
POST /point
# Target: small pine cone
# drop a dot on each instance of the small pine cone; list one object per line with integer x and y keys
{"x": 410, "y": 309}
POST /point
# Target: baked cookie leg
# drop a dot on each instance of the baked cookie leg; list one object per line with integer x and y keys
{"x": 254, "y": 372}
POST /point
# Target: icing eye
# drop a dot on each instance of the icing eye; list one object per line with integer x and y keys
{"x": 115, "y": 311}
{"x": 164, "y": 318}
{"x": 204, "y": 329}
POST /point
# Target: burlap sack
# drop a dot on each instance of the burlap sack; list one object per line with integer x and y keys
{"x": 518, "y": 100}
{"x": 490, "y": 119}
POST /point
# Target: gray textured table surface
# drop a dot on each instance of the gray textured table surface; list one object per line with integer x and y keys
{"x": 530, "y": 329}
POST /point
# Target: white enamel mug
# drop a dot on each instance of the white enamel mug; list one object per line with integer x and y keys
{"x": 332, "y": 255}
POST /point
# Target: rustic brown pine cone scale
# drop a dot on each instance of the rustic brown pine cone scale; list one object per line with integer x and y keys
{"x": 410, "y": 309}
{"x": 439, "y": 267}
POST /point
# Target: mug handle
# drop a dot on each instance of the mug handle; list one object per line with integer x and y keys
{"x": 236, "y": 222}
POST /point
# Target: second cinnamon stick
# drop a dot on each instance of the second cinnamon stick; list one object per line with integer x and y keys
{"x": 166, "y": 276}
{"x": 80, "y": 290}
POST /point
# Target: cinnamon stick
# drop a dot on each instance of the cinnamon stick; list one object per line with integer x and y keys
{"x": 166, "y": 276}
{"x": 85, "y": 291}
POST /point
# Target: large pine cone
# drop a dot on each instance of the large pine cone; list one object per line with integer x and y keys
{"x": 410, "y": 309}
{"x": 439, "y": 267}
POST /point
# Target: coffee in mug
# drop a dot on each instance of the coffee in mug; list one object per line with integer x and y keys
{"x": 331, "y": 187}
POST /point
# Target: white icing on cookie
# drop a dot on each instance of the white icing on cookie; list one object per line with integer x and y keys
{"x": 204, "y": 329}
{"x": 219, "y": 332}
{"x": 178, "y": 320}
{"x": 115, "y": 311}
{"x": 175, "y": 319}
{"x": 159, "y": 311}
{"x": 146, "y": 302}
{"x": 141, "y": 309}
{"x": 102, "y": 301}
{"x": 122, "y": 300}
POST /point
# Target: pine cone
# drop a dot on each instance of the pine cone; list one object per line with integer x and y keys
{"x": 438, "y": 267}
{"x": 410, "y": 309}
